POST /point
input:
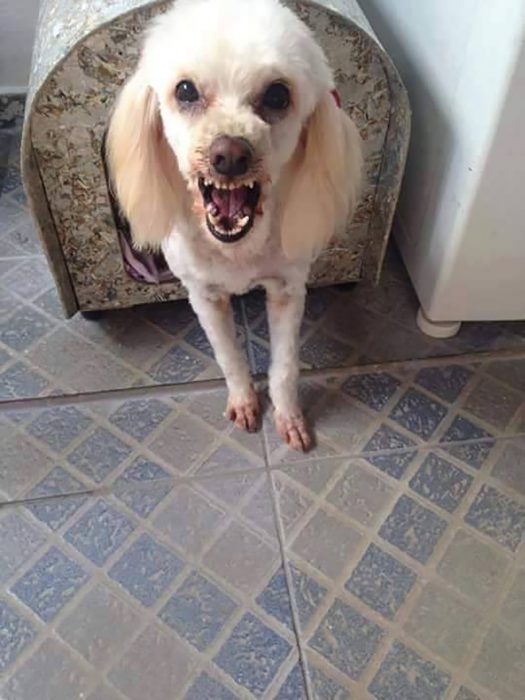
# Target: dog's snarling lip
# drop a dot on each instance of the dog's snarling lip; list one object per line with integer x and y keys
{"x": 230, "y": 208}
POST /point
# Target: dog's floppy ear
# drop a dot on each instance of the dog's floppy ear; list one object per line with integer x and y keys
{"x": 143, "y": 168}
{"x": 324, "y": 180}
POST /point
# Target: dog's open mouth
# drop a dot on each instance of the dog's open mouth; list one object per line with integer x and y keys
{"x": 230, "y": 208}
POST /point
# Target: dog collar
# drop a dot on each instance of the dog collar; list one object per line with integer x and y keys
{"x": 337, "y": 97}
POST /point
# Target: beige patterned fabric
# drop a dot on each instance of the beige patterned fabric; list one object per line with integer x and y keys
{"x": 83, "y": 53}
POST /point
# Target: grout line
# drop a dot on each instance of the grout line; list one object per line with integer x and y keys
{"x": 426, "y": 571}
{"x": 281, "y": 537}
{"x": 113, "y": 394}
{"x": 315, "y": 374}
{"x": 246, "y": 601}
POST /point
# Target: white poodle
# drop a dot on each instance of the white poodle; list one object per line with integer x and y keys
{"x": 227, "y": 148}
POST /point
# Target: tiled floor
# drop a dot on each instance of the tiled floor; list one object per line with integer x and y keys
{"x": 150, "y": 551}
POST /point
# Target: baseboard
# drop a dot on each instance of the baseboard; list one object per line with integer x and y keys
{"x": 13, "y": 90}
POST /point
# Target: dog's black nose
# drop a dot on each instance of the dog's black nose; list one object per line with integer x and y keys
{"x": 230, "y": 156}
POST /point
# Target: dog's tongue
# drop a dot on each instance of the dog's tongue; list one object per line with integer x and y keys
{"x": 229, "y": 202}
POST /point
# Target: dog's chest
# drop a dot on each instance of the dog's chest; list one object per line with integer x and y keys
{"x": 239, "y": 277}
{"x": 236, "y": 275}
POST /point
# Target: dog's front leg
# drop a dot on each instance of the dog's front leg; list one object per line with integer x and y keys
{"x": 285, "y": 313}
{"x": 216, "y": 317}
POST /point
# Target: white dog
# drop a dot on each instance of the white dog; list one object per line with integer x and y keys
{"x": 227, "y": 149}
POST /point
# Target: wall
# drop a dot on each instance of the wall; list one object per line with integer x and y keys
{"x": 461, "y": 63}
{"x": 17, "y": 26}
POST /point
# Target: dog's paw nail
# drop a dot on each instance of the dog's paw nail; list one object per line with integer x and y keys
{"x": 244, "y": 413}
{"x": 294, "y": 431}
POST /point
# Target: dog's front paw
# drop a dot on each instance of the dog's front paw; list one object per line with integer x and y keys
{"x": 244, "y": 412}
{"x": 293, "y": 430}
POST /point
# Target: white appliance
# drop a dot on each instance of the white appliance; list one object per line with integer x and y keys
{"x": 461, "y": 217}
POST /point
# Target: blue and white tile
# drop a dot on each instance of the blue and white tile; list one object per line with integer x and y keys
{"x": 146, "y": 569}
{"x": 394, "y": 456}
{"x": 50, "y": 583}
{"x": 418, "y": 413}
{"x": 45, "y": 505}
{"x": 58, "y": 427}
{"x": 381, "y": 581}
{"x": 145, "y": 606}
{"x": 19, "y": 540}
{"x": 268, "y": 651}
{"x": 294, "y": 686}
{"x": 198, "y": 610}
{"x": 99, "y": 454}
{"x": 177, "y": 366}
{"x": 339, "y": 498}
{"x": 466, "y": 694}
{"x": 498, "y": 516}
{"x": 404, "y": 675}
{"x": 138, "y": 418}
{"x": 413, "y": 529}
{"x": 100, "y": 531}
{"x": 320, "y": 351}
{"x": 441, "y": 482}
{"x": 477, "y": 442}
{"x": 142, "y": 486}
{"x": 20, "y": 381}
{"x": 23, "y": 328}
{"x": 375, "y": 389}
{"x": 323, "y": 686}
{"x": 346, "y": 639}
{"x": 125, "y": 443}
{"x": 16, "y": 633}
{"x": 447, "y": 382}
{"x": 205, "y": 686}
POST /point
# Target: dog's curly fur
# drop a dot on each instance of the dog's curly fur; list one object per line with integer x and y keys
{"x": 306, "y": 163}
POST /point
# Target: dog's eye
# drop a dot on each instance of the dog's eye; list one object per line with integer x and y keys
{"x": 186, "y": 92}
{"x": 276, "y": 97}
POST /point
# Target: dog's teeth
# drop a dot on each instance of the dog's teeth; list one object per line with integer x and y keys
{"x": 243, "y": 221}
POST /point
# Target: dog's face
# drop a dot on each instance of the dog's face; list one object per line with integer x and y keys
{"x": 232, "y": 99}
{"x": 231, "y": 133}
{"x": 234, "y": 84}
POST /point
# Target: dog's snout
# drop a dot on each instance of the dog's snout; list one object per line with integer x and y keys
{"x": 230, "y": 156}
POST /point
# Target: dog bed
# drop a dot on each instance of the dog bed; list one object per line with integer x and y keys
{"x": 83, "y": 53}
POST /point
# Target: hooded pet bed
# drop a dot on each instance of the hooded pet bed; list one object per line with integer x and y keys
{"x": 83, "y": 52}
